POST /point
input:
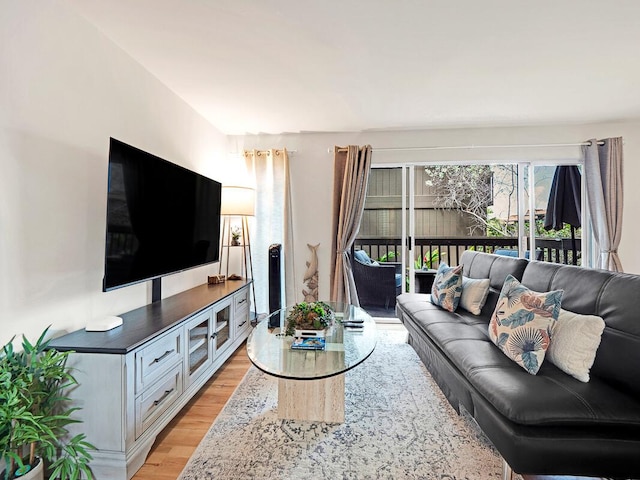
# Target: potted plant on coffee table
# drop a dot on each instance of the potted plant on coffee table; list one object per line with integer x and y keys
{"x": 314, "y": 316}
{"x": 35, "y": 413}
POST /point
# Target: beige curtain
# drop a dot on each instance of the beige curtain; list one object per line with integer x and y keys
{"x": 350, "y": 179}
{"x": 273, "y": 222}
{"x": 603, "y": 176}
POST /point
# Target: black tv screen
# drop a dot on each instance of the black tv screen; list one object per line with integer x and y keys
{"x": 161, "y": 218}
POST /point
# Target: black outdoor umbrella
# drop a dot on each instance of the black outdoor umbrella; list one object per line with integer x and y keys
{"x": 565, "y": 202}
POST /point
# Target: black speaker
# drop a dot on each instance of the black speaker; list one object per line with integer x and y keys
{"x": 275, "y": 281}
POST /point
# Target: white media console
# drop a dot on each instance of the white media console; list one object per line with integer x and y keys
{"x": 135, "y": 378}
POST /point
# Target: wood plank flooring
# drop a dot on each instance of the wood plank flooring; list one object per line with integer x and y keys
{"x": 177, "y": 442}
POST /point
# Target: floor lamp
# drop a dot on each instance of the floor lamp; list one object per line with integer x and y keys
{"x": 238, "y": 202}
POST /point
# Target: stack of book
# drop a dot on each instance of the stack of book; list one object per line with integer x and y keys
{"x": 312, "y": 343}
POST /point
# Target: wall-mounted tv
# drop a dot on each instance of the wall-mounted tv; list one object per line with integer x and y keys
{"x": 161, "y": 218}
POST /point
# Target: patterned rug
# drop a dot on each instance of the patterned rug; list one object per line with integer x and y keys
{"x": 398, "y": 426}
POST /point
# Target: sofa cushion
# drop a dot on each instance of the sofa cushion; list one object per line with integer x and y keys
{"x": 574, "y": 341}
{"x": 493, "y": 267}
{"x": 474, "y": 294}
{"x": 447, "y": 287}
{"x": 418, "y": 309}
{"x": 522, "y": 321}
{"x": 551, "y": 397}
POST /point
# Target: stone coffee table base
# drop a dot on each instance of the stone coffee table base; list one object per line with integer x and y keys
{"x": 314, "y": 400}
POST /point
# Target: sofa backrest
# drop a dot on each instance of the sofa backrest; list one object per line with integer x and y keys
{"x": 612, "y": 296}
{"x": 495, "y": 268}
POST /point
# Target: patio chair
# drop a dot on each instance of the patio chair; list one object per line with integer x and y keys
{"x": 378, "y": 284}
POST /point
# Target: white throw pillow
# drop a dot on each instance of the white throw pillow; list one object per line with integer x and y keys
{"x": 474, "y": 294}
{"x": 574, "y": 341}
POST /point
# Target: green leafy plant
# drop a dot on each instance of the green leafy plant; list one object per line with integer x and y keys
{"x": 35, "y": 412}
{"x": 429, "y": 260}
{"x": 388, "y": 257}
{"x": 235, "y": 235}
{"x": 310, "y": 316}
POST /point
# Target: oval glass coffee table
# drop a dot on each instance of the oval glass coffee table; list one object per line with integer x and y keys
{"x": 311, "y": 382}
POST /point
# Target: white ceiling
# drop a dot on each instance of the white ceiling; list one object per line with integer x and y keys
{"x": 273, "y": 66}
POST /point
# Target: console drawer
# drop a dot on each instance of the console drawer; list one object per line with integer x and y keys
{"x": 154, "y": 360}
{"x": 242, "y": 321}
{"x": 152, "y": 403}
{"x": 241, "y": 299}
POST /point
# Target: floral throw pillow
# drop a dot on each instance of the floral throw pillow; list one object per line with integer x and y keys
{"x": 522, "y": 322}
{"x": 447, "y": 287}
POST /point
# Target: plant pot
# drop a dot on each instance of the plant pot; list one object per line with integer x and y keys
{"x": 312, "y": 333}
{"x": 36, "y": 473}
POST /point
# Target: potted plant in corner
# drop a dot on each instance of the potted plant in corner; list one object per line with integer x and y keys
{"x": 35, "y": 413}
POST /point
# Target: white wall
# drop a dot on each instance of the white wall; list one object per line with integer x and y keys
{"x": 312, "y": 171}
{"x": 64, "y": 90}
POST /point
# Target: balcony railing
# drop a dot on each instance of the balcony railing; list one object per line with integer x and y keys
{"x": 562, "y": 250}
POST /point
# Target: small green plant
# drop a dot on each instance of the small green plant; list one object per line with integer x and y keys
{"x": 34, "y": 413}
{"x": 429, "y": 260}
{"x": 309, "y": 315}
{"x": 388, "y": 257}
{"x": 235, "y": 235}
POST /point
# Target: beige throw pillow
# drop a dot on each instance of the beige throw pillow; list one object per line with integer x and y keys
{"x": 474, "y": 294}
{"x": 574, "y": 341}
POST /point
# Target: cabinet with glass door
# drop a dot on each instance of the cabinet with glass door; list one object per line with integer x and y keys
{"x": 199, "y": 351}
{"x": 222, "y": 334}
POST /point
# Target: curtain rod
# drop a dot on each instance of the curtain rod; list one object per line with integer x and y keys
{"x": 268, "y": 152}
{"x": 461, "y": 147}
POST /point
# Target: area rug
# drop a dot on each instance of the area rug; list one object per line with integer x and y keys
{"x": 398, "y": 425}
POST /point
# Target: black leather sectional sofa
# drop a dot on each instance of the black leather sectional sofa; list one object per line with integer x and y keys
{"x": 549, "y": 423}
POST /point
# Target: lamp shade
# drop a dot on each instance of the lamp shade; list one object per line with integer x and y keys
{"x": 238, "y": 201}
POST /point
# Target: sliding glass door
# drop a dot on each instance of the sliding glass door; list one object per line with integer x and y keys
{"x": 423, "y": 214}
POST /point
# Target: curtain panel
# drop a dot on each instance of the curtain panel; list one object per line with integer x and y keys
{"x": 269, "y": 170}
{"x": 350, "y": 180}
{"x": 603, "y": 175}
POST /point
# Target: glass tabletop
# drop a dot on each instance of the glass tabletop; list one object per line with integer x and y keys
{"x": 270, "y": 350}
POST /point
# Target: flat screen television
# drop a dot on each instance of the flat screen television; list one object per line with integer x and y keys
{"x": 161, "y": 218}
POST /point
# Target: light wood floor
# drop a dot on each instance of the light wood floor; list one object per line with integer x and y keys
{"x": 179, "y": 439}
{"x": 177, "y": 442}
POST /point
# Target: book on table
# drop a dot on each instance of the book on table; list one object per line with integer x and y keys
{"x": 308, "y": 343}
